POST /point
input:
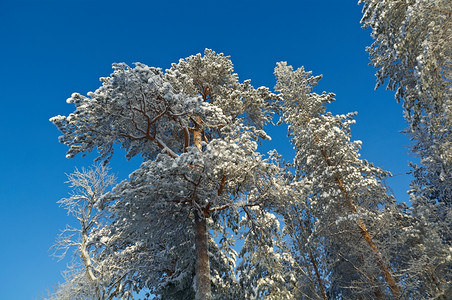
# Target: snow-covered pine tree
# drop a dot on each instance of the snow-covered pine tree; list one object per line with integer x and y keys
{"x": 412, "y": 53}
{"x": 340, "y": 220}
{"x": 197, "y": 128}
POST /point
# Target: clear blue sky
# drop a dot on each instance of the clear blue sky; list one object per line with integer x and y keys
{"x": 52, "y": 48}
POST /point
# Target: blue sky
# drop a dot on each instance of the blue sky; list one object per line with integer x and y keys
{"x": 52, "y": 48}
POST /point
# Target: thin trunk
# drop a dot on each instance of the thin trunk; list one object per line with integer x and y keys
{"x": 311, "y": 256}
{"x": 87, "y": 260}
{"x": 317, "y": 274}
{"x": 202, "y": 267}
{"x": 308, "y": 272}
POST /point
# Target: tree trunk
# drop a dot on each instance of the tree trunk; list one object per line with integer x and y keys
{"x": 304, "y": 245}
{"x": 202, "y": 267}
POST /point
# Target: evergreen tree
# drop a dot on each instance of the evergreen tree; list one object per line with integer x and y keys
{"x": 412, "y": 53}
{"x": 197, "y": 129}
{"x": 339, "y": 221}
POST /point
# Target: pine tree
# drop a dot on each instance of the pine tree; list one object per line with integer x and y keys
{"x": 412, "y": 54}
{"x": 339, "y": 220}
{"x": 197, "y": 128}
